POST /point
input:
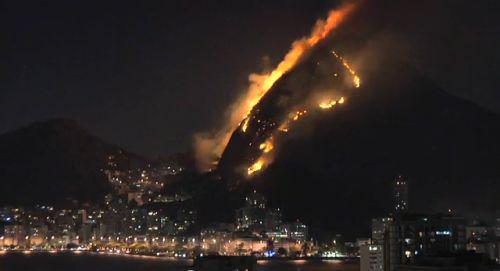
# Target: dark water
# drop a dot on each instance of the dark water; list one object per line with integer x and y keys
{"x": 89, "y": 262}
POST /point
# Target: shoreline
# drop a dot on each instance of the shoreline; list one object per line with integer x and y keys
{"x": 166, "y": 258}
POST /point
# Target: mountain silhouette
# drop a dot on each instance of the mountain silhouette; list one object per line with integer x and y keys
{"x": 54, "y": 161}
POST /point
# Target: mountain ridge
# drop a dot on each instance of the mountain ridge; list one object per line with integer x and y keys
{"x": 55, "y": 161}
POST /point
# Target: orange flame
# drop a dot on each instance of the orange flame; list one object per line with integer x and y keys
{"x": 210, "y": 146}
{"x": 244, "y": 126}
{"x": 355, "y": 78}
{"x": 256, "y": 167}
{"x": 327, "y": 104}
{"x": 267, "y": 146}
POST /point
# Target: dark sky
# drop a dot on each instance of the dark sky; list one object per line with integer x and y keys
{"x": 149, "y": 74}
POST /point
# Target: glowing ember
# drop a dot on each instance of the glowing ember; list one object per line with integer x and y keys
{"x": 283, "y": 127}
{"x": 327, "y": 104}
{"x": 342, "y": 100}
{"x": 356, "y": 80}
{"x": 256, "y": 167}
{"x": 296, "y": 115}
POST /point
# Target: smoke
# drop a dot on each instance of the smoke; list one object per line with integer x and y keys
{"x": 209, "y": 146}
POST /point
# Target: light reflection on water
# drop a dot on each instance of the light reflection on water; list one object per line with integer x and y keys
{"x": 306, "y": 265}
{"x": 99, "y": 262}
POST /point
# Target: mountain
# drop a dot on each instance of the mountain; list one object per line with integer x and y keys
{"x": 53, "y": 161}
{"x": 334, "y": 168}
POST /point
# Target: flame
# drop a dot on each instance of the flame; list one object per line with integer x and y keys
{"x": 296, "y": 115}
{"x": 357, "y": 81}
{"x": 211, "y": 145}
{"x": 283, "y": 127}
{"x": 256, "y": 166}
{"x": 355, "y": 78}
{"x": 267, "y": 146}
{"x": 327, "y": 104}
{"x": 244, "y": 126}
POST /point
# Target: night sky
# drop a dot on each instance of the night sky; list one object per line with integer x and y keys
{"x": 149, "y": 74}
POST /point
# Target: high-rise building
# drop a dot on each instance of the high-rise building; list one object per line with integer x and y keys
{"x": 400, "y": 194}
{"x": 412, "y": 236}
{"x": 380, "y": 227}
{"x": 406, "y": 238}
{"x": 371, "y": 257}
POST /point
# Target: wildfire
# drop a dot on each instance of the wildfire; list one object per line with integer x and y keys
{"x": 355, "y": 78}
{"x": 212, "y": 144}
{"x": 357, "y": 81}
{"x": 244, "y": 126}
{"x": 267, "y": 146}
{"x": 283, "y": 127}
{"x": 294, "y": 116}
{"x": 327, "y": 104}
{"x": 256, "y": 167}
{"x": 298, "y": 114}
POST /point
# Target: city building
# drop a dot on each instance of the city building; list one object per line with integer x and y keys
{"x": 380, "y": 226}
{"x": 400, "y": 194}
{"x": 297, "y": 231}
{"x": 371, "y": 257}
{"x": 411, "y": 236}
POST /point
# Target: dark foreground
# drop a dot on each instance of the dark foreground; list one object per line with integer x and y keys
{"x": 87, "y": 262}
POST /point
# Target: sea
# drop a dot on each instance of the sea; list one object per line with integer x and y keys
{"x": 98, "y": 262}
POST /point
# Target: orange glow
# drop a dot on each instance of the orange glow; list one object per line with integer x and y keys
{"x": 283, "y": 127}
{"x": 256, "y": 166}
{"x": 296, "y": 115}
{"x": 342, "y": 100}
{"x": 327, "y": 104}
{"x": 244, "y": 126}
{"x": 357, "y": 81}
{"x": 267, "y": 146}
{"x": 210, "y": 146}
{"x": 355, "y": 78}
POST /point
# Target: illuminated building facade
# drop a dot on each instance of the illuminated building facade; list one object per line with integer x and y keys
{"x": 412, "y": 236}
{"x": 372, "y": 257}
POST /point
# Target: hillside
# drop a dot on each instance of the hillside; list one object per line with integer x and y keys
{"x": 334, "y": 169}
{"x": 54, "y": 161}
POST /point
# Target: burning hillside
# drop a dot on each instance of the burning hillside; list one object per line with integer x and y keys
{"x": 289, "y": 109}
{"x": 209, "y": 146}
{"x": 293, "y": 99}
